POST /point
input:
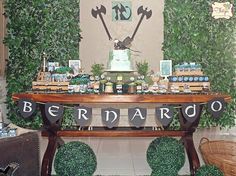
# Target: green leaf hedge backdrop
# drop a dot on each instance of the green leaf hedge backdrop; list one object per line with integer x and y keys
{"x": 190, "y": 34}
{"x": 35, "y": 27}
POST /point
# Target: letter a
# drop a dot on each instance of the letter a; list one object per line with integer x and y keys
{"x": 138, "y": 113}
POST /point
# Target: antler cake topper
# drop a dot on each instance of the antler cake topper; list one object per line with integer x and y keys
{"x": 127, "y": 41}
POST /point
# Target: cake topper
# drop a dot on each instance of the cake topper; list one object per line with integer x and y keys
{"x": 122, "y": 45}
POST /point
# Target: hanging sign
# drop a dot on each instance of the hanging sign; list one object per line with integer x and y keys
{"x": 83, "y": 115}
{"x": 216, "y": 107}
{"x": 137, "y": 116}
{"x": 110, "y": 117}
{"x": 27, "y": 107}
{"x": 222, "y": 10}
{"x": 54, "y": 112}
{"x": 191, "y": 111}
{"x": 164, "y": 115}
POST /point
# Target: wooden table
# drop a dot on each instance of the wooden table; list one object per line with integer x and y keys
{"x": 54, "y": 132}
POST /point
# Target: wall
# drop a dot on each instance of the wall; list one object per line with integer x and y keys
{"x": 3, "y": 109}
{"x": 95, "y": 46}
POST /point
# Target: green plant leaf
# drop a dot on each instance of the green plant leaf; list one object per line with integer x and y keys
{"x": 35, "y": 27}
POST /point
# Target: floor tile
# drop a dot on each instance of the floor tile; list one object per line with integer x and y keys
{"x": 115, "y": 163}
{"x": 140, "y": 164}
{"x": 112, "y": 172}
{"x": 127, "y": 156}
{"x": 139, "y": 146}
{"x": 141, "y": 172}
{"x": 114, "y": 147}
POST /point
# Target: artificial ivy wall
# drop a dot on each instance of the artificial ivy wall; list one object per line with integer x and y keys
{"x": 35, "y": 27}
{"x": 191, "y": 34}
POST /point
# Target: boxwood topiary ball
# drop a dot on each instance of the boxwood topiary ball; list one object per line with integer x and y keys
{"x": 75, "y": 158}
{"x": 209, "y": 170}
{"x": 165, "y": 156}
{"x": 160, "y": 173}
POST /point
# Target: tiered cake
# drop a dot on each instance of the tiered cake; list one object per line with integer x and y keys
{"x": 119, "y": 60}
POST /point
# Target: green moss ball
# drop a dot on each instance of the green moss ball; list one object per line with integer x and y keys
{"x": 160, "y": 173}
{"x": 209, "y": 170}
{"x": 165, "y": 156}
{"x": 75, "y": 158}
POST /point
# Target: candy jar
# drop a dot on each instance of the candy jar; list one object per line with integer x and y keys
{"x": 132, "y": 86}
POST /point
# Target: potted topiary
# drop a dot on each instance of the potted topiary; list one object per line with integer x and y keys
{"x": 160, "y": 172}
{"x": 165, "y": 156}
{"x": 209, "y": 170}
{"x": 97, "y": 69}
{"x": 142, "y": 68}
{"x": 75, "y": 159}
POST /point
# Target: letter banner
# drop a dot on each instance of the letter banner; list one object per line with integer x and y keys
{"x": 110, "y": 117}
{"x": 191, "y": 111}
{"x": 216, "y": 107}
{"x": 164, "y": 115}
{"x": 54, "y": 112}
{"x": 83, "y": 115}
{"x": 137, "y": 116}
{"x": 27, "y": 107}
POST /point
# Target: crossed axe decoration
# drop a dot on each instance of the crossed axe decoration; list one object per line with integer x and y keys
{"x": 127, "y": 41}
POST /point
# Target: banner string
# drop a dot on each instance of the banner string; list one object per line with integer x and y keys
{"x": 70, "y": 107}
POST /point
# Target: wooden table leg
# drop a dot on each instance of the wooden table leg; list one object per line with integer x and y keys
{"x": 48, "y": 156}
{"x": 193, "y": 159}
{"x": 53, "y": 142}
{"x": 194, "y": 162}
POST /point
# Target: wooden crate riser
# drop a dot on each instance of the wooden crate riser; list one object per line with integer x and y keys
{"x": 188, "y": 73}
{"x": 194, "y": 86}
{"x": 42, "y": 85}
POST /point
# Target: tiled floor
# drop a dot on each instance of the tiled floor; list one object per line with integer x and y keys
{"x": 127, "y": 156}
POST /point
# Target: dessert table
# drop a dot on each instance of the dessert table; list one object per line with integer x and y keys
{"x": 54, "y": 132}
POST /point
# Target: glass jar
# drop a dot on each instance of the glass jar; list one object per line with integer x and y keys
{"x": 109, "y": 86}
{"x": 102, "y": 85}
{"x": 119, "y": 84}
{"x": 132, "y": 86}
